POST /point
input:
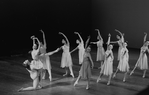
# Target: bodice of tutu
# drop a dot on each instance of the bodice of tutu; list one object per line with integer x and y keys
{"x": 120, "y": 43}
{"x": 144, "y": 49}
{"x": 35, "y": 54}
{"x": 108, "y": 53}
{"x": 81, "y": 46}
{"x": 100, "y": 43}
{"x": 65, "y": 49}
{"x": 42, "y": 49}
{"x": 86, "y": 57}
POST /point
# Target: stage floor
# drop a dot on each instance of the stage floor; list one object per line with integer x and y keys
{"x": 13, "y": 76}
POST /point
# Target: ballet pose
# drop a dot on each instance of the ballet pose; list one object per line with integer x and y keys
{"x": 85, "y": 71}
{"x": 123, "y": 65}
{"x": 120, "y": 43}
{"x": 142, "y": 62}
{"x": 107, "y": 67}
{"x": 80, "y": 47}
{"x": 44, "y": 58}
{"x": 100, "y": 49}
{"x": 35, "y": 67}
{"x": 66, "y": 60}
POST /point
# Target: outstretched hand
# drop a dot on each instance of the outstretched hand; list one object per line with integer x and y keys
{"x": 76, "y": 32}
{"x": 97, "y": 29}
{"x": 32, "y": 37}
{"x": 109, "y": 35}
{"x": 60, "y": 32}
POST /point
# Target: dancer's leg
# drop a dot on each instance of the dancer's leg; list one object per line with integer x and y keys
{"x": 71, "y": 71}
{"x": 109, "y": 80}
{"x": 76, "y": 82}
{"x": 144, "y": 74}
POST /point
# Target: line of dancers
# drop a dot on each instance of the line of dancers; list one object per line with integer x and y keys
{"x": 41, "y": 60}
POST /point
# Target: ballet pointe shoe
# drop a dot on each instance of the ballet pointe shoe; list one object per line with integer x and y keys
{"x": 114, "y": 75}
{"x": 131, "y": 73}
{"x": 65, "y": 74}
{"x": 108, "y": 83}
{"x": 143, "y": 76}
{"x": 72, "y": 75}
{"x": 98, "y": 80}
{"x": 50, "y": 78}
{"x": 75, "y": 83}
{"x": 124, "y": 80}
{"x": 87, "y": 87}
{"x": 20, "y": 89}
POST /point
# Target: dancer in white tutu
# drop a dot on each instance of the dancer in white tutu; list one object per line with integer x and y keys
{"x": 107, "y": 67}
{"x": 100, "y": 49}
{"x": 66, "y": 60}
{"x": 35, "y": 67}
{"x": 123, "y": 65}
{"x": 80, "y": 47}
{"x": 142, "y": 62}
{"x": 35, "y": 74}
{"x": 85, "y": 71}
{"x": 120, "y": 43}
{"x": 45, "y": 59}
{"x": 35, "y": 54}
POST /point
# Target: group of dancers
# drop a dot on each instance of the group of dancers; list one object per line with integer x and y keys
{"x": 41, "y": 60}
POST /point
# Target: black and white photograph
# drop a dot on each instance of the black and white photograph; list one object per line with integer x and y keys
{"x": 74, "y": 47}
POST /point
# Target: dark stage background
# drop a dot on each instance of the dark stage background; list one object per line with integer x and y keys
{"x": 21, "y": 19}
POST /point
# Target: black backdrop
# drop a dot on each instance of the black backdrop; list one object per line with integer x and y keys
{"x": 21, "y": 19}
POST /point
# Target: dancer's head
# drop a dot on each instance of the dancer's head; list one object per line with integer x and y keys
{"x": 78, "y": 41}
{"x": 34, "y": 46}
{"x": 98, "y": 38}
{"x": 63, "y": 41}
{"x": 88, "y": 49}
{"x": 146, "y": 43}
{"x": 26, "y": 62}
{"x": 118, "y": 37}
{"x": 125, "y": 44}
{"x": 110, "y": 47}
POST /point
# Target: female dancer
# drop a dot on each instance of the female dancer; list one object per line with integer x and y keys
{"x": 85, "y": 71}
{"x": 123, "y": 65}
{"x": 80, "y": 47}
{"x": 107, "y": 67}
{"x": 66, "y": 61}
{"x": 120, "y": 42}
{"x": 45, "y": 59}
{"x": 100, "y": 49}
{"x": 34, "y": 67}
{"x": 142, "y": 62}
{"x": 35, "y": 75}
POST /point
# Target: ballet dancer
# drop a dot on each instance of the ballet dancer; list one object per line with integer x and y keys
{"x": 100, "y": 49}
{"x": 66, "y": 60}
{"x": 35, "y": 74}
{"x": 120, "y": 42}
{"x": 80, "y": 47}
{"x": 85, "y": 71}
{"x": 45, "y": 59}
{"x": 35, "y": 67}
{"x": 142, "y": 62}
{"x": 123, "y": 65}
{"x": 107, "y": 67}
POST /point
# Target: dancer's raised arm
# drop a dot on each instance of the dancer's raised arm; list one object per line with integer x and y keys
{"x": 79, "y": 37}
{"x": 39, "y": 44}
{"x": 44, "y": 39}
{"x": 52, "y": 52}
{"x": 145, "y": 36}
{"x": 108, "y": 42}
{"x": 65, "y": 38}
{"x": 87, "y": 42}
{"x": 99, "y": 34}
{"x": 122, "y": 35}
